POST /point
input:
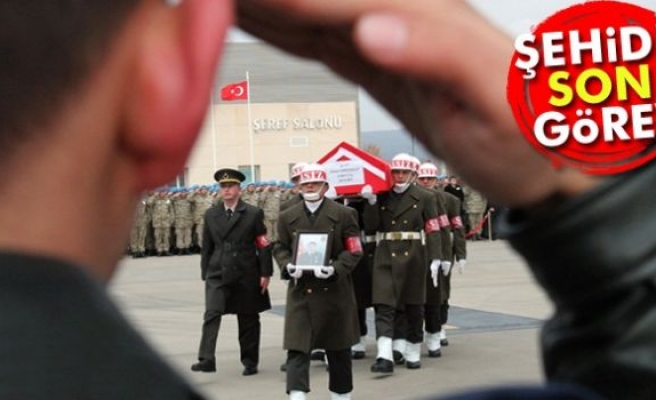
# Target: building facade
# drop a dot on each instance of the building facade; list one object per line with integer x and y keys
{"x": 296, "y": 111}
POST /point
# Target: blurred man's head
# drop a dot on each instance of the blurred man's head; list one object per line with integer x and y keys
{"x": 107, "y": 98}
{"x": 127, "y": 58}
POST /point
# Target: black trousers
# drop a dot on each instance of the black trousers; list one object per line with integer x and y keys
{"x": 400, "y": 325}
{"x": 362, "y": 320}
{"x": 432, "y": 320}
{"x": 249, "y": 331}
{"x": 444, "y": 312}
{"x": 340, "y": 371}
{"x": 436, "y": 316}
{"x": 406, "y": 323}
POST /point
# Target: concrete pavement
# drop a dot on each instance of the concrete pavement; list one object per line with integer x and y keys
{"x": 493, "y": 331}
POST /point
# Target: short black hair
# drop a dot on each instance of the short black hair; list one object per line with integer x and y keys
{"x": 47, "y": 50}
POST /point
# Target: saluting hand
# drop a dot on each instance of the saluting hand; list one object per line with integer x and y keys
{"x": 438, "y": 67}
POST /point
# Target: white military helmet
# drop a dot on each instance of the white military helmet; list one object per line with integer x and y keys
{"x": 417, "y": 163}
{"x": 404, "y": 161}
{"x": 313, "y": 173}
{"x": 427, "y": 170}
{"x": 297, "y": 168}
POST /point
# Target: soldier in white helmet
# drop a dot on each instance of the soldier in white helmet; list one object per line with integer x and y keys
{"x": 317, "y": 354}
{"x": 437, "y": 292}
{"x": 295, "y": 174}
{"x": 406, "y": 221}
{"x": 321, "y": 309}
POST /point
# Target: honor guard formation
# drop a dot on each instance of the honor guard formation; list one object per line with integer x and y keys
{"x": 393, "y": 252}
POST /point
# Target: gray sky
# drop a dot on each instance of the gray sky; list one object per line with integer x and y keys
{"x": 513, "y": 16}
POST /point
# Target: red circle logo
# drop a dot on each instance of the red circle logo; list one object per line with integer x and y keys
{"x": 581, "y": 87}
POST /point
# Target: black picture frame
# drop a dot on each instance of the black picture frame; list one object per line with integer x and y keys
{"x": 312, "y": 249}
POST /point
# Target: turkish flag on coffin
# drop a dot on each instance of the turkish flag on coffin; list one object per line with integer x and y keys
{"x": 350, "y": 169}
{"x": 235, "y": 91}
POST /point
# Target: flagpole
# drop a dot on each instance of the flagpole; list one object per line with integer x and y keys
{"x": 250, "y": 127}
{"x": 213, "y": 127}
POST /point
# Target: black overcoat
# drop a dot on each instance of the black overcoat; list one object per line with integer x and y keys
{"x": 400, "y": 267}
{"x": 235, "y": 255}
{"x": 321, "y": 313}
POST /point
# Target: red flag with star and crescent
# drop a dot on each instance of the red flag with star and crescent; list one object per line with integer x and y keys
{"x": 235, "y": 91}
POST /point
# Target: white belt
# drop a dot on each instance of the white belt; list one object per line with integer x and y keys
{"x": 400, "y": 236}
{"x": 368, "y": 238}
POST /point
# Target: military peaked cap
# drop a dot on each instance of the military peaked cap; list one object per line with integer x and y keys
{"x": 229, "y": 175}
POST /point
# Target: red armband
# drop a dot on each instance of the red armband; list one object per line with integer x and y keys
{"x": 456, "y": 222}
{"x": 262, "y": 241}
{"x": 432, "y": 225}
{"x": 353, "y": 245}
{"x": 444, "y": 221}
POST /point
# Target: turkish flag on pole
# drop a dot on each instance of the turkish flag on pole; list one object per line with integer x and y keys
{"x": 235, "y": 91}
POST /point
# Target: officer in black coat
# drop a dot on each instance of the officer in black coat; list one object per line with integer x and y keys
{"x": 236, "y": 265}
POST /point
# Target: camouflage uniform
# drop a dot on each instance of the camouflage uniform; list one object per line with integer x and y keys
{"x": 201, "y": 201}
{"x": 474, "y": 205}
{"x": 142, "y": 219}
{"x": 284, "y": 191}
{"x": 162, "y": 222}
{"x": 285, "y": 194}
{"x": 250, "y": 196}
{"x": 216, "y": 198}
{"x": 271, "y": 205}
{"x": 183, "y": 221}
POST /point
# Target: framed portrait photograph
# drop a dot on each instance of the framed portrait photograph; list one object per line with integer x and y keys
{"x": 311, "y": 249}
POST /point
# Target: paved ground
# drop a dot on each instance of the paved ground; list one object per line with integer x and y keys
{"x": 497, "y": 310}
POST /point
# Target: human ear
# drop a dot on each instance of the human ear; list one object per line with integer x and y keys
{"x": 173, "y": 69}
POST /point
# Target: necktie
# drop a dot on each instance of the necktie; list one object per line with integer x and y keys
{"x": 229, "y": 213}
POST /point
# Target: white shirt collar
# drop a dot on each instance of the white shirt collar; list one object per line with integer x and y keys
{"x": 313, "y": 206}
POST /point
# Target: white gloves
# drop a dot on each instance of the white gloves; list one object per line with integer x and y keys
{"x": 367, "y": 193}
{"x": 461, "y": 265}
{"x": 319, "y": 272}
{"x": 324, "y": 272}
{"x": 293, "y": 271}
{"x": 435, "y": 270}
{"x": 446, "y": 267}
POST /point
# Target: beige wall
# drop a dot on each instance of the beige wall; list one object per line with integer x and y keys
{"x": 283, "y": 133}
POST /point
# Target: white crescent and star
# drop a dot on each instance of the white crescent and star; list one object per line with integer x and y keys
{"x": 237, "y": 91}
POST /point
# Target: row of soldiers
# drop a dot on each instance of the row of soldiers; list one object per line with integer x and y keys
{"x": 170, "y": 220}
{"x": 411, "y": 237}
{"x": 401, "y": 344}
{"x": 452, "y": 248}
